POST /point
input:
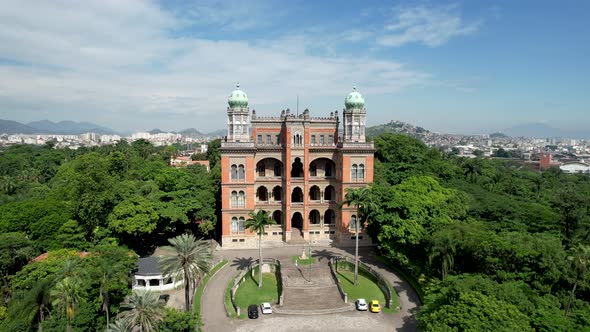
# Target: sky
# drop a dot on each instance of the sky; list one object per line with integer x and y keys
{"x": 451, "y": 67}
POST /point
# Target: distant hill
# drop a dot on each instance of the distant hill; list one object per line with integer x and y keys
{"x": 218, "y": 133}
{"x": 68, "y": 127}
{"x": 398, "y": 127}
{"x": 542, "y": 130}
{"x": 156, "y": 131}
{"x": 12, "y": 127}
{"x": 190, "y": 132}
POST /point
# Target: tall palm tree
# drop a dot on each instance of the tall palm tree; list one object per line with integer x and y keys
{"x": 359, "y": 198}
{"x": 66, "y": 295}
{"x": 191, "y": 262}
{"x": 33, "y": 304}
{"x": 445, "y": 247}
{"x": 141, "y": 311}
{"x": 581, "y": 264}
{"x": 257, "y": 222}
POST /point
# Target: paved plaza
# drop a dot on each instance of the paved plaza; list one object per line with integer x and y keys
{"x": 215, "y": 320}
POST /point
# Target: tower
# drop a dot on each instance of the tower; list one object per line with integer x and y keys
{"x": 238, "y": 116}
{"x": 354, "y": 118}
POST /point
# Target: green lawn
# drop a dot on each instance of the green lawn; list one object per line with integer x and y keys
{"x": 366, "y": 289}
{"x": 307, "y": 261}
{"x": 249, "y": 293}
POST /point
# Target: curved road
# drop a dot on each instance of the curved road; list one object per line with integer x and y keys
{"x": 215, "y": 320}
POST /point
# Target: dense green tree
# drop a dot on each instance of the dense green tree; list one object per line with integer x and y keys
{"x": 580, "y": 264}
{"x": 257, "y": 223}
{"x": 66, "y": 296}
{"x": 178, "y": 321}
{"x": 191, "y": 261}
{"x": 15, "y": 251}
{"x": 134, "y": 216}
{"x": 444, "y": 246}
{"x": 141, "y": 311}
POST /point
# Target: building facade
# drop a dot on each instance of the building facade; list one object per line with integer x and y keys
{"x": 296, "y": 167}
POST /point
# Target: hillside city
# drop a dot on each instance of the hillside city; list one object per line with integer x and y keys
{"x": 563, "y": 151}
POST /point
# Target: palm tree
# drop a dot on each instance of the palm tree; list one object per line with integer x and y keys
{"x": 66, "y": 295}
{"x": 471, "y": 170}
{"x": 33, "y": 304}
{"x": 257, "y": 222}
{"x": 581, "y": 264}
{"x": 359, "y": 198}
{"x": 445, "y": 247}
{"x": 117, "y": 326}
{"x": 191, "y": 262}
{"x": 141, "y": 311}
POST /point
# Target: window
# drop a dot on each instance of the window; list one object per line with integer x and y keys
{"x": 330, "y": 139}
{"x": 234, "y": 199}
{"x": 314, "y": 193}
{"x": 154, "y": 282}
{"x": 312, "y": 139}
{"x": 297, "y": 139}
{"x": 329, "y": 193}
{"x": 262, "y": 194}
{"x": 329, "y": 217}
{"x": 241, "y": 225}
{"x": 234, "y": 225}
{"x": 268, "y": 139}
{"x": 353, "y": 222}
{"x": 241, "y": 172}
{"x": 354, "y": 172}
{"x": 328, "y": 169}
{"x": 261, "y": 169}
{"x": 322, "y": 139}
{"x": 361, "y": 172}
{"x": 241, "y": 199}
{"x": 297, "y": 168}
{"x": 234, "y": 172}
{"x": 278, "y": 139}
{"x": 259, "y": 139}
{"x": 297, "y": 195}
{"x": 276, "y": 193}
{"x": 313, "y": 170}
{"x": 277, "y": 169}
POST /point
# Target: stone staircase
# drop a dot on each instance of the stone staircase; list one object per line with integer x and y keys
{"x": 314, "y": 293}
{"x": 296, "y": 237}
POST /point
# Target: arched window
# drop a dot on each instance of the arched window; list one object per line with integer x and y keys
{"x": 328, "y": 169}
{"x": 241, "y": 199}
{"x": 241, "y": 172}
{"x": 361, "y": 172}
{"x": 241, "y": 225}
{"x": 234, "y": 199}
{"x": 297, "y": 168}
{"x": 314, "y": 217}
{"x": 354, "y": 223}
{"x": 278, "y": 169}
{"x": 234, "y": 225}
{"x": 297, "y": 195}
{"x": 261, "y": 169}
{"x": 277, "y": 217}
{"x": 262, "y": 194}
{"x": 276, "y": 193}
{"x": 329, "y": 217}
{"x": 354, "y": 172}
{"x": 314, "y": 193}
{"x": 234, "y": 172}
{"x": 329, "y": 193}
{"x": 313, "y": 170}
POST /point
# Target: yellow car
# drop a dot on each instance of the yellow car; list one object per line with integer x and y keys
{"x": 375, "y": 306}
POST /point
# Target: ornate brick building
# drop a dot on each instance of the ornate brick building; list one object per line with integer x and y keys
{"x": 297, "y": 168}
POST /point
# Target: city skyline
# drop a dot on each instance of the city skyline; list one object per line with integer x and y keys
{"x": 453, "y": 67}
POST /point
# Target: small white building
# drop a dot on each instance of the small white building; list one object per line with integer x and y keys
{"x": 575, "y": 167}
{"x": 149, "y": 277}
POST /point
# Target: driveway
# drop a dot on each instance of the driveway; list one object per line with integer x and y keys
{"x": 215, "y": 320}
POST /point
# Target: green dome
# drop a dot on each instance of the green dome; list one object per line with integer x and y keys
{"x": 237, "y": 98}
{"x": 354, "y": 100}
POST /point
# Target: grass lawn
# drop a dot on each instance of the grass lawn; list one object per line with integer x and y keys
{"x": 307, "y": 261}
{"x": 249, "y": 293}
{"x": 366, "y": 289}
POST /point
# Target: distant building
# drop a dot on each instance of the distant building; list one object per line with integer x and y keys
{"x": 546, "y": 161}
{"x": 183, "y": 161}
{"x": 148, "y": 276}
{"x": 575, "y": 167}
{"x": 297, "y": 168}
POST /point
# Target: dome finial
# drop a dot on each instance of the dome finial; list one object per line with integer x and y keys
{"x": 237, "y": 98}
{"x": 237, "y": 85}
{"x": 354, "y": 100}
{"x": 354, "y": 88}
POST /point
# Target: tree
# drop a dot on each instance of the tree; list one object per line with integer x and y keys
{"x": 31, "y": 305}
{"x": 361, "y": 200}
{"x": 443, "y": 246}
{"x": 134, "y": 216}
{"x": 580, "y": 260}
{"x": 66, "y": 295}
{"x": 256, "y": 223}
{"x": 141, "y": 311}
{"x": 191, "y": 261}
{"x": 15, "y": 251}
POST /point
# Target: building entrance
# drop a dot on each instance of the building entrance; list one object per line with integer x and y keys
{"x": 297, "y": 220}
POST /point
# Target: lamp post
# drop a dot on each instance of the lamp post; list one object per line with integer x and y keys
{"x": 310, "y": 261}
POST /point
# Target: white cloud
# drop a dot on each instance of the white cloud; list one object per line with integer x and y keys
{"x": 116, "y": 63}
{"x": 431, "y": 26}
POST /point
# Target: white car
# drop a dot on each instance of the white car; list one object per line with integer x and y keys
{"x": 361, "y": 305}
{"x": 265, "y": 308}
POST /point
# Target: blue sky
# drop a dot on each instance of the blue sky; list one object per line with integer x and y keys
{"x": 455, "y": 67}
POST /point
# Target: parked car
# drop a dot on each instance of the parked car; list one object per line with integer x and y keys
{"x": 375, "y": 306}
{"x": 266, "y": 308}
{"x": 252, "y": 311}
{"x": 361, "y": 305}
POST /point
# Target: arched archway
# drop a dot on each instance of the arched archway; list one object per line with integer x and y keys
{"x": 297, "y": 195}
{"x": 277, "y": 193}
{"x": 329, "y": 217}
{"x": 323, "y": 167}
{"x": 269, "y": 167}
{"x": 314, "y": 193}
{"x": 330, "y": 193}
{"x": 314, "y": 217}
{"x": 297, "y": 168}
{"x": 297, "y": 220}
{"x": 262, "y": 194}
{"x": 277, "y": 216}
